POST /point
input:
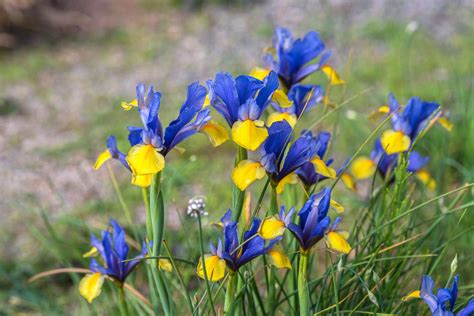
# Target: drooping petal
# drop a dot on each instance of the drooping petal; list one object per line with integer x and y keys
{"x": 249, "y": 134}
{"x": 102, "y": 158}
{"x": 395, "y": 142}
{"x": 444, "y": 122}
{"x": 412, "y": 295}
{"x": 338, "y": 243}
{"x": 348, "y": 181}
{"x": 323, "y": 169}
{"x": 280, "y": 116}
{"x": 281, "y": 99}
{"x": 215, "y": 268}
{"x": 292, "y": 178}
{"x": 279, "y": 258}
{"x": 336, "y": 206}
{"x": 246, "y": 172}
{"x": 91, "y": 253}
{"x": 271, "y": 228}
{"x": 216, "y": 132}
{"x": 145, "y": 159}
{"x": 333, "y": 76}
{"x": 165, "y": 265}
{"x": 259, "y": 73}
{"x": 90, "y": 286}
{"x": 142, "y": 180}
{"x": 363, "y": 168}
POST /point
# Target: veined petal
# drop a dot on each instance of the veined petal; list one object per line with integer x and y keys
{"x": 215, "y": 268}
{"x": 395, "y": 142}
{"x": 280, "y": 98}
{"x": 424, "y": 176}
{"x": 292, "y": 178}
{"x": 445, "y": 123}
{"x": 323, "y": 169}
{"x": 145, "y": 159}
{"x": 248, "y": 134}
{"x": 103, "y": 157}
{"x": 165, "y": 265}
{"x": 334, "y": 78}
{"x": 280, "y": 116}
{"x": 271, "y": 228}
{"x": 246, "y": 172}
{"x": 414, "y": 294}
{"x": 259, "y": 73}
{"x": 336, "y": 206}
{"x": 216, "y": 132}
{"x": 348, "y": 181}
{"x": 91, "y": 286}
{"x": 279, "y": 257}
{"x": 338, "y": 243}
{"x": 129, "y": 105}
{"x": 363, "y": 168}
{"x": 142, "y": 180}
{"x": 91, "y": 253}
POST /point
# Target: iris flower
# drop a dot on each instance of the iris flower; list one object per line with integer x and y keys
{"x": 241, "y": 102}
{"x": 365, "y": 167}
{"x": 113, "y": 251}
{"x": 292, "y": 59}
{"x": 314, "y": 224}
{"x": 408, "y": 124}
{"x": 273, "y": 161}
{"x": 438, "y": 303}
{"x": 302, "y": 98}
{"x": 149, "y": 144}
{"x": 235, "y": 254}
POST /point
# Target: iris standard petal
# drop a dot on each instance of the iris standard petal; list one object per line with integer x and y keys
{"x": 145, "y": 159}
{"x": 215, "y": 268}
{"x": 395, "y": 142}
{"x": 246, "y": 172}
{"x": 90, "y": 286}
{"x": 249, "y": 134}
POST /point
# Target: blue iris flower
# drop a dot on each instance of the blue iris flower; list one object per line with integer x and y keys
{"x": 113, "y": 250}
{"x": 291, "y": 58}
{"x": 468, "y": 310}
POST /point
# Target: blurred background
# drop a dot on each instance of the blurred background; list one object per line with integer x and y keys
{"x": 65, "y": 66}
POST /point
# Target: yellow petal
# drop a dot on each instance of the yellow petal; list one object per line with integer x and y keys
{"x": 91, "y": 286}
{"x": 292, "y": 178}
{"x": 445, "y": 123}
{"x": 348, "y": 181}
{"x": 334, "y": 78}
{"x": 165, "y": 265}
{"x": 271, "y": 228}
{"x": 129, "y": 105}
{"x": 142, "y": 180}
{"x": 280, "y": 98}
{"x": 323, "y": 169}
{"x": 246, "y": 172}
{"x": 278, "y": 117}
{"x": 344, "y": 234}
{"x": 259, "y": 73}
{"x": 363, "y": 168}
{"x": 381, "y": 111}
{"x": 145, "y": 159}
{"x": 216, "y": 132}
{"x": 207, "y": 101}
{"x": 215, "y": 268}
{"x": 103, "y": 157}
{"x": 414, "y": 294}
{"x": 424, "y": 176}
{"x": 279, "y": 257}
{"x": 248, "y": 134}
{"x": 395, "y": 142}
{"x": 336, "y": 206}
{"x": 338, "y": 243}
{"x": 91, "y": 253}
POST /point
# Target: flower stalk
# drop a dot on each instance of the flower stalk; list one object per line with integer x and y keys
{"x": 303, "y": 295}
{"x": 229, "y": 294}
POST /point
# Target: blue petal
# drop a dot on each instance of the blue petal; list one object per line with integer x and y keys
{"x": 299, "y": 94}
{"x": 270, "y": 85}
{"x": 453, "y": 291}
{"x": 247, "y": 87}
{"x": 249, "y": 111}
{"x": 301, "y": 151}
{"x": 116, "y": 154}
{"x": 468, "y": 310}
{"x": 279, "y": 136}
{"x": 231, "y": 239}
{"x": 224, "y": 97}
{"x": 426, "y": 292}
{"x": 134, "y": 135}
{"x": 153, "y": 121}
{"x": 416, "y": 161}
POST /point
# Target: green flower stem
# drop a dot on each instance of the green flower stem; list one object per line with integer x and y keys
{"x": 303, "y": 295}
{"x": 122, "y": 301}
{"x": 146, "y": 201}
{"x": 229, "y": 294}
{"x": 271, "y": 269}
{"x": 238, "y": 196}
{"x": 203, "y": 262}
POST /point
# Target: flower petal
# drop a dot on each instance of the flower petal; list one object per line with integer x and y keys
{"x": 215, "y": 268}
{"x": 323, "y": 169}
{"x": 246, "y": 172}
{"x": 338, "y": 243}
{"x": 91, "y": 286}
{"x": 280, "y": 98}
{"x": 142, "y": 180}
{"x": 129, "y": 105}
{"x": 277, "y": 117}
{"x": 91, "y": 253}
{"x": 279, "y": 257}
{"x": 424, "y": 176}
{"x": 248, "y": 135}
{"x": 103, "y": 157}
{"x": 445, "y": 123}
{"x": 333, "y": 76}
{"x": 216, "y": 132}
{"x": 363, "y": 168}
{"x": 336, "y": 206}
{"x": 271, "y": 228}
{"x": 292, "y": 178}
{"x": 395, "y": 142}
{"x": 145, "y": 159}
{"x": 165, "y": 265}
{"x": 414, "y": 294}
{"x": 259, "y": 73}
{"x": 348, "y": 181}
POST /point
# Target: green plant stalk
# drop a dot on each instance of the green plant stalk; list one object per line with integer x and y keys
{"x": 237, "y": 195}
{"x": 271, "y": 269}
{"x": 203, "y": 262}
{"x": 303, "y": 295}
{"x": 122, "y": 301}
{"x": 229, "y": 294}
